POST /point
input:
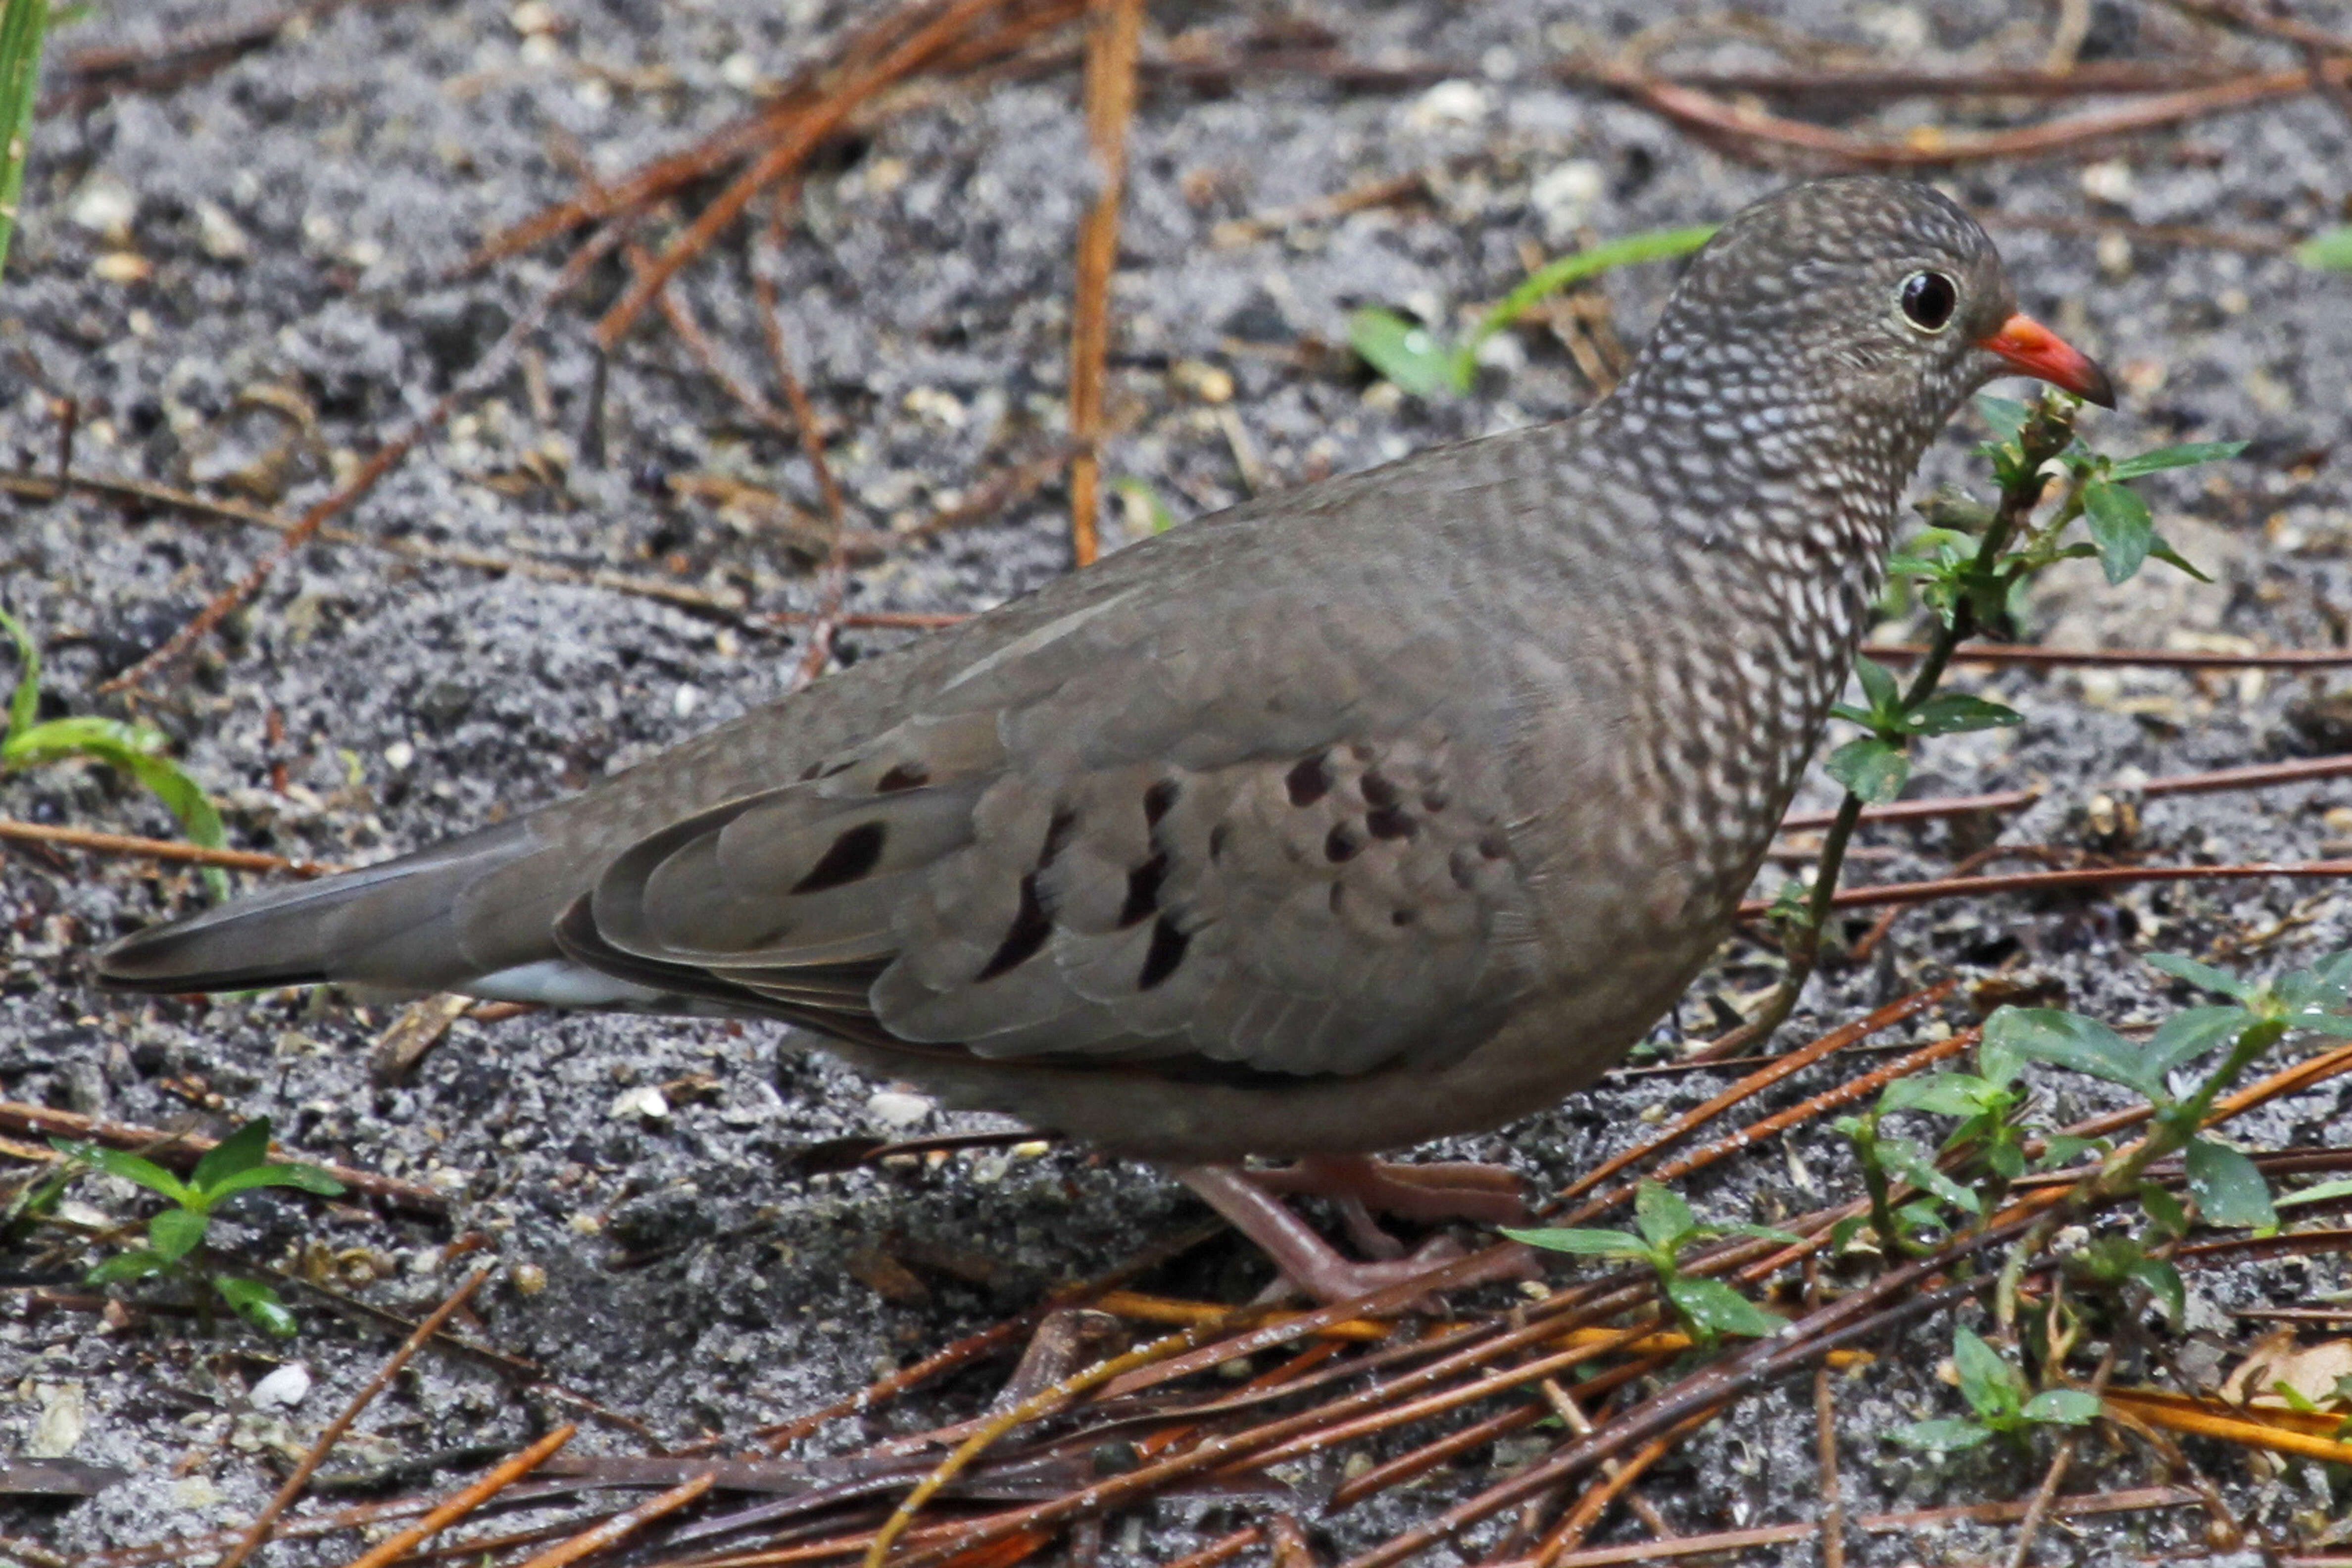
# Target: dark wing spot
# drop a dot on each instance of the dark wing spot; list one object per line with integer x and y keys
{"x": 1466, "y": 874}
{"x": 905, "y": 775}
{"x": 1058, "y": 836}
{"x": 1028, "y": 934}
{"x": 1378, "y": 791}
{"x": 812, "y": 771}
{"x": 1309, "y": 779}
{"x": 1217, "y": 837}
{"x": 1167, "y": 951}
{"x": 1342, "y": 843}
{"x": 1388, "y": 822}
{"x": 1400, "y": 917}
{"x": 1143, "y": 890}
{"x": 1434, "y": 800}
{"x": 1493, "y": 846}
{"x": 853, "y": 854}
{"x": 1157, "y": 800}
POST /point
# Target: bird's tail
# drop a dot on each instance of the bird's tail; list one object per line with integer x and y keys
{"x": 413, "y": 924}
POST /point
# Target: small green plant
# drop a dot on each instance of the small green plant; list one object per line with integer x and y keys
{"x": 1971, "y": 566}
{"x": 1142, "y": 504}
{"x": 1986, "y": 1151}
{"x": 1708, "y": 1309}
{"x": 2005, "y": 1405}
{"x": 23, "y": 25}
{"x": 134, "y": 749}
{"x": 1421, "y": 362}
{"x": 237, "y": 1164}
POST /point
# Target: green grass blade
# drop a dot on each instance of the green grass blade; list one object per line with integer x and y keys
{"x": 25, "y": 701}
{"x": 22, "y": 24}
{"x": 1652, "y": 245}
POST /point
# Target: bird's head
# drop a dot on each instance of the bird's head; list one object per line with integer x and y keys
{"x": 1869, "y": 300}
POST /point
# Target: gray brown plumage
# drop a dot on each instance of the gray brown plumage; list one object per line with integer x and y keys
{"x": 1392, "y": 807}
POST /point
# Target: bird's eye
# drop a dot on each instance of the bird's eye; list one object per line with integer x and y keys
{"x": 1928, "y": 298}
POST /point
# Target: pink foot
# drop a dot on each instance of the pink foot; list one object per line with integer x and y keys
{"x": 1308, "y": 1262}
{"x": 1485, "y": 1194}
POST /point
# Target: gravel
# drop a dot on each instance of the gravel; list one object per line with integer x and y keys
{"x": 247, "y": 280}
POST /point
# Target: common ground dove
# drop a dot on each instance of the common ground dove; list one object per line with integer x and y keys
{"x": 1396, "y": 806}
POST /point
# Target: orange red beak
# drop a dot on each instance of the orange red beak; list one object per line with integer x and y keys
{"x": 2035, "y": 351}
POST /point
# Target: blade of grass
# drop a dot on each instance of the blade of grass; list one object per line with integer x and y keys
{"x": 23, "y": 24}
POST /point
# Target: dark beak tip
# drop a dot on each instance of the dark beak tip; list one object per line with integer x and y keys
{"x": 2097, "y": 388}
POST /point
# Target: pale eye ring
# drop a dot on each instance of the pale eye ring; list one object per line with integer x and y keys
{"x": 1927, "y": 301}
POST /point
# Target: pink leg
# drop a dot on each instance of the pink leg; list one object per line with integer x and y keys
{"x": 1488, "y": 1195}
{"x": 1307, "y": 1261}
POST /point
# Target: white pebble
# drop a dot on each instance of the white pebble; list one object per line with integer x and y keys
{"x": 283, "y": 1389}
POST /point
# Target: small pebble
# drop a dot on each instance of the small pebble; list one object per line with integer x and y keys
{"x": 283, "y": 1388}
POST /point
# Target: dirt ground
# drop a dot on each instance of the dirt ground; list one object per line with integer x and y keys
{"x": 247, "y": 280}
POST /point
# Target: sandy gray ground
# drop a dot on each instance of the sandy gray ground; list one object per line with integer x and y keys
{"x": 293, "y": 219}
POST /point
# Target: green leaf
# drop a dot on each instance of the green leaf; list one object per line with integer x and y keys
{"x": 2063, "y": 1406}
{"x": 1903, "y": 1158}
{"x": 25, "y": 701}
{"x": 1872, "y": 769}
{"x": 137, "y": 1263}
{"x": 129, "y": 1167}
{"x": 1878, "y": 686}
{"x": 2120, "y": 526}
{"x": 1941, "y": 1436}
{"x": 256, "y": 1303}
{"x": 1405, "y": 351}
{"x": 137, "y": 750}
{"x": 2330, "y": 248}
{"x": 2189, "y": 1033}
{"x": 1842, "y": 1234}
{"x": 2202, "y": 975}
{"x": 307, "y": 1178}
{"x": 2063, "y": 1149}
{"x": 243, "y": 1149}
{"x": 2071, "y": 1041}
{"x": 1589, "y": 1243}
{"x": 2006, "y": 416}
{"x": 2163, "y": 1282}
{"x": 1662, "y": 1216}
{"x": 1716, "y": 1307}
{"x": 22, "y": 24}
{"x": 175, "y": 1233}
{"x": 1759, "y": 1233}
{"x": 1951, "y": 712}
{"x": 1987, "y": 1381}
{"x": 2229, "y": 1190}
{"x": 2182, "y": 457}
{"x": 2318, "y": 1194}
{"x": 2163, "y": 1209}
{"x": 2173, "y": 558}
{"x": 1941, "y": 1094}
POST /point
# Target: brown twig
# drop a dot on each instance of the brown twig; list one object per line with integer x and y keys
{"x": 2053, "y": 882}
{"x": 485, "y": 375}
{"x": 1752, "y": 129}
{"x": 258, "y": 1531}
{"x": 2152, "y": 658}
{"x": 785, "y": 156}
{"x": 1755, "y": 1083}
{"x": 448, "y": 1513}
{"x": 161, "y": 848}
{"x": 616, "y": 1528}
{"x": 1114, "y": 32}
